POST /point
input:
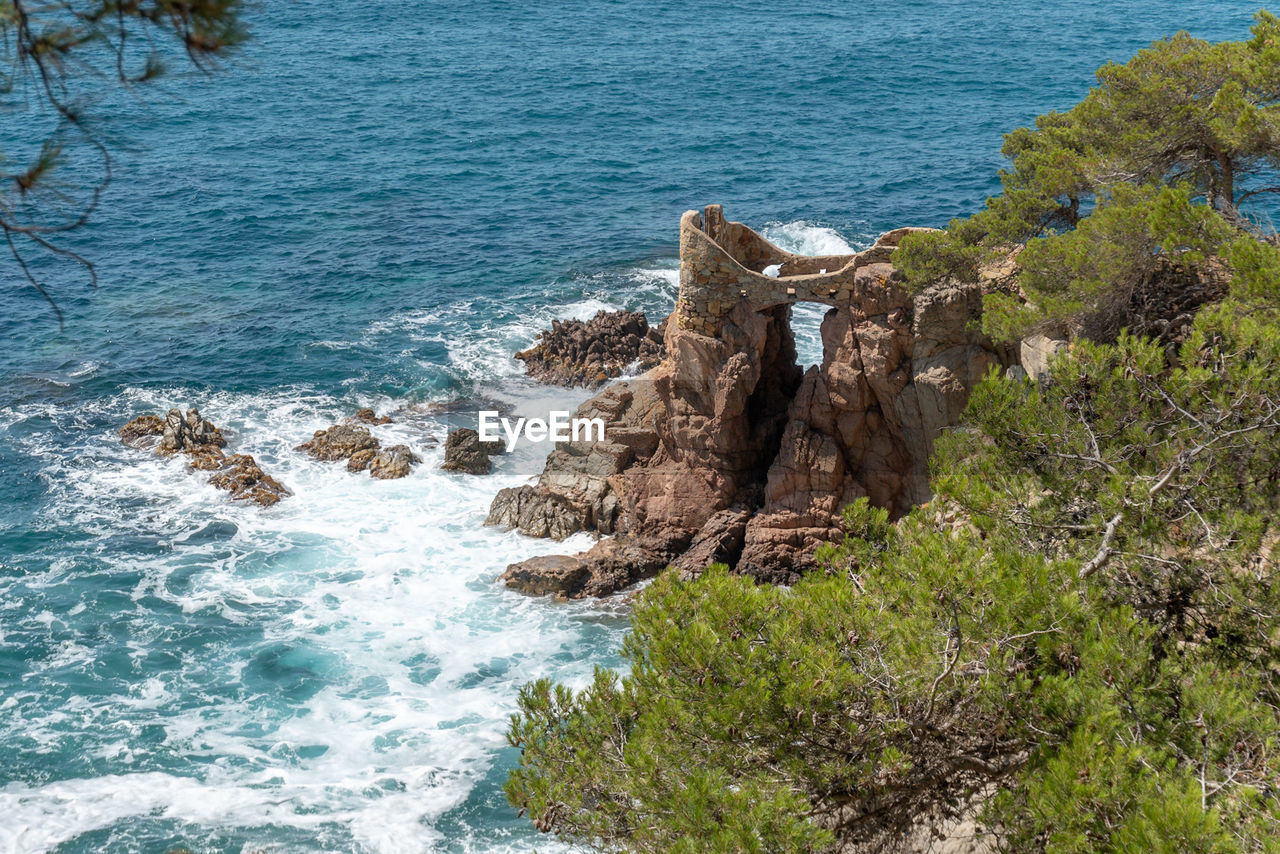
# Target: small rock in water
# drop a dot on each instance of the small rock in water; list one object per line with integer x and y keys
{"x": 186, "y": 433}
{"x": 557, "y": 575}
{"x": 589, "y": 353}
{"x": 394, "y": 462}
{"x": 241, "y": 476}
{"x": 139, "y": 430}
{"x": 202, "y": 442}
{"x": 463, "y": 451}
{"x": 339, "y": 442}
{"x": 368, "y": 416}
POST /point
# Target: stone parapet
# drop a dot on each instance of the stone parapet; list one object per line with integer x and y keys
{"x": 722, "y": 267}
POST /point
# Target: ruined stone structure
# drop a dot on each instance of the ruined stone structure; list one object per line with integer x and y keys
{"x": 728, "y": 452}
{"x": 722, "y": 267}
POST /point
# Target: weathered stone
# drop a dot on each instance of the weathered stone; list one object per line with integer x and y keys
{"x": 1036, "y": 352}
{"x": 463, "y": 451}
{"x": 738, "y": 458}
{"x": 202, "y": 443}
{"x": 368, "y": 416}
{"x": 184, "y": 432}
{"x": 536, "y": 513}
{"x": 588, "y": 353}
{"x": 360, "y": 460}
{"x": 339, "y": 442}
{"x": 139, "y": 431}
{"x": 241, "y": 476}
{"x": 553, "y": 575}
{"x": 393, "y": 462}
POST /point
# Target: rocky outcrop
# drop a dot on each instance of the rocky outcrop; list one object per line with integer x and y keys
{"x": 589, "y": 353}
{"x": 139, "y": 431}
{"x": 360, "y": 448}
{"x": 733, "y": 456}
{"x": 576, "y": 490}
{"x": 394, "y": 462}
{"x": 339, "y": 442}
{"x": 188, "y": 433}
{"x": 895, "y": 372}
{"x": 202, "y": 443}
{"x": 554, "y": 575}
{"x": 464, "y": 452}
{"x": 368, "y": 416}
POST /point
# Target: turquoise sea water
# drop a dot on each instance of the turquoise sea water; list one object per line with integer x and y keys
{"x": 375, "y": 205}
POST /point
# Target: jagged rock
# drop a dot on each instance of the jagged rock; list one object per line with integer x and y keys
{"x": 463, "y": 451}
{"x": 202, "y": 443}
{"x": 183, "y": 433}
{"x": 360, "y": 460}
{"x": 241, "y": 476}
{"x": 578, "y": 353}
{"x": 368, "y": 416}
{"x": 555, "y": 575}
{"x": 138, "y": 431}
{"x": 535, "y": 512}
{"x": 720, "y": 540}
{"x": 393, "y": 462}
{"x": 576, "y": 489}
{"x": 339, "y": 442}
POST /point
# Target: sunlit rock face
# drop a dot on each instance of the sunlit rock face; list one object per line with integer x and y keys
{"x": 726, "y": 452}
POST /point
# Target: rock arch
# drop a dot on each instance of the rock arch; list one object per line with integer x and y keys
{"x": 727, "y": 451}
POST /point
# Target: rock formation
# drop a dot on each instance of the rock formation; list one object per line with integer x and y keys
{"x": 578, "y": 353}
{"x": 393, "y": 462}
{"x": 725, "y": 451}
{"x": 360, "y": 448}
{"x": 202, "y": 443}
{"x": 464, "y": 452}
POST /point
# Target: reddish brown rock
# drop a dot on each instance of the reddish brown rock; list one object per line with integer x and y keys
{"x": 554, "y": 575}
{"x": 368, "y": 416}
{"x": 360, "y": 460}
{"x": 241, "y": 476}
{"x": 736, "y": 457}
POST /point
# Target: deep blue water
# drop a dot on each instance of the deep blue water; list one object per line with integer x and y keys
{"x": 375, "y": 204}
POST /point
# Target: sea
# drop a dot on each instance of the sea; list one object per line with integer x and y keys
{"x": 376, "y": 205}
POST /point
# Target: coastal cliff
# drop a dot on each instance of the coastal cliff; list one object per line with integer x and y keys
{"x": 727, "y": 452}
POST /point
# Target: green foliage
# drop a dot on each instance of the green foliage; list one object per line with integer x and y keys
{"x": 1166, "y": 159}
{"x": 1079, "y": 637}
{"x": 1078, "y": 640}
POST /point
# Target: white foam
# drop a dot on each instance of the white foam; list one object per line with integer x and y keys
{"x": 379, "y": 595}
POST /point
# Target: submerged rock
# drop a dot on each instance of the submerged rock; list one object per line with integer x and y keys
{"x": 589, "y": 353}
{"x": 368, "y": 416}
